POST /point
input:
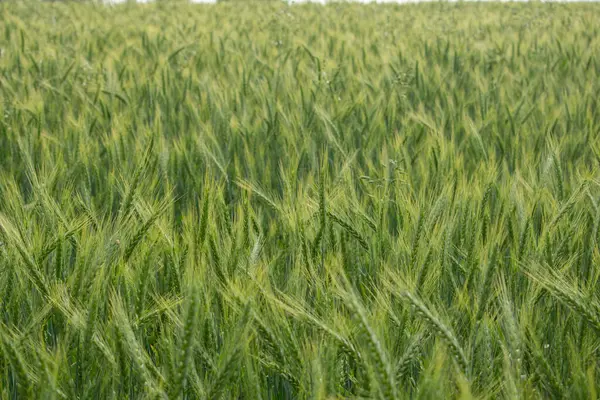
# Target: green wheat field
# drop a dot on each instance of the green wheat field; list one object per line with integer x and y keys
{"x": 262, "y": 201}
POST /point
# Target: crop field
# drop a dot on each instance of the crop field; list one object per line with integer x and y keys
{"x": 262, "y": 201}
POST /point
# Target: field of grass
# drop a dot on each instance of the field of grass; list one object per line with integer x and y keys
{"x": 256, "y": 201}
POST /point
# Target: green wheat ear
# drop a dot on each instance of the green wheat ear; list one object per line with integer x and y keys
{"x": 374, "y": 349}
{"x": 568, "y": 294}
{"x": 231, "y": 354}
{"x": 139, "y": 173}
{"x": 439, "y": 328}
{"x": 139, "y": 235}
{"x": 11, "y": 235}
{"x": 486, "y": 285}
{"x": 132, "y": 348}
{"x": 184, "y": 358}
{"x": 409, "y": 356}
{"x": 15, "y": 361}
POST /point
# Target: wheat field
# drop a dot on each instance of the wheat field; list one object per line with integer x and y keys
{"x": 258, "y": 201}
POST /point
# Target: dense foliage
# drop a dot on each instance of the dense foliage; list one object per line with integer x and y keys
{"x": 270, "y": 201}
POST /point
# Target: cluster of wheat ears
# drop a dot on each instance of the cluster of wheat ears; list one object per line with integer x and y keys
{"x": 258, "y": 201}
